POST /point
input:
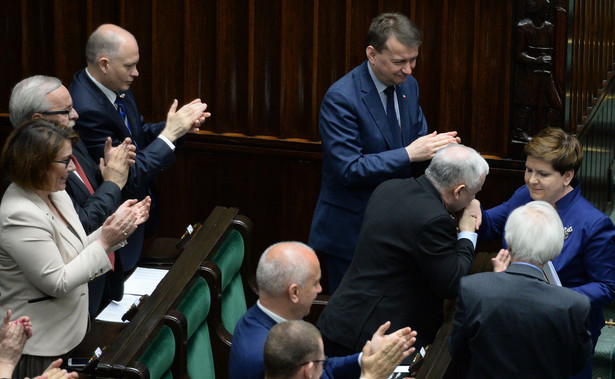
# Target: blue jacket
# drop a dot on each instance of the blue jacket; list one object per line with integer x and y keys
{"x": 246, "y": 359}
{"x": 587, "y": 261}
{"x": 358, "y": 153}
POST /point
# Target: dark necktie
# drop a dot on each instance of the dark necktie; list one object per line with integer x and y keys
{"x": 391, "y": 114}
{"x": 120, "y": 108}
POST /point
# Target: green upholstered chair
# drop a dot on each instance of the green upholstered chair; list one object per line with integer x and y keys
{"x": 229, "y": 258}
{"x": 164, "y": 355}
{"x": 195, "y": 306}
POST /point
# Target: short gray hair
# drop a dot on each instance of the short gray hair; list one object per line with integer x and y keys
{"x": 28, "y": 97}
{"x": 101, "y": 43}
{"x": 274, "y": 276}
{"x": 534, "y": 233}
{"x": 456, "y": 164}
{"x": 288, "y": 345}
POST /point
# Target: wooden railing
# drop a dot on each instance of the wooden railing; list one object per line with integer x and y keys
{"x": 597, "y": 137}
{"x": 590, "y": 106}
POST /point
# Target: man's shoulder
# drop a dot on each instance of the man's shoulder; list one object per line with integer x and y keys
{"x": 349, "y": 80}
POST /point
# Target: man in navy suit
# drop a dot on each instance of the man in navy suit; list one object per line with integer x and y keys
{"x": 372, "y": 129}
{"x": 514, "y": 324}
{"x": 288, "y": 278}
{"x": 107, "y": 107}
{"x": 95, "y": 189}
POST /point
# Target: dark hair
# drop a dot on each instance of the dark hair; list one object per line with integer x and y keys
{"x": 290, "y": 344}
{"x": 392, "y": 24}
{"x": 30, "y": 149}
{"x": 555, "y": 146}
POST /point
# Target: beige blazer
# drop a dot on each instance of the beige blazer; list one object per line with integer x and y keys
{"x": 45, "y": 268}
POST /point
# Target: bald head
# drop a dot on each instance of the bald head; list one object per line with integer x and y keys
{"x": 112, "y": 54}
{"x": 282, "y": 264}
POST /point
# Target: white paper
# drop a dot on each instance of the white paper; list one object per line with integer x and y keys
{"x": 551, "y": 274}
{"x": 116, "y": 309}
{"x": 400, "y": 372}
{"x": 143, "y": 281}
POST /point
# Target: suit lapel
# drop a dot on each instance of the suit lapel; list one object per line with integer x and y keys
{"x": 104, "y": 102}
{"x": 67, "y": 210}
{"x": 372, "y": 102}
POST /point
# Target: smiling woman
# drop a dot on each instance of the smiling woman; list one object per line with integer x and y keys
{"x": 46, "y": 258}
{"x": 587, "y": 261}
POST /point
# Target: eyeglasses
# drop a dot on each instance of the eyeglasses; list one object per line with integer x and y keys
{"x": 64, "y": 112}
{"x": 65, "y": 162}
{"x": 323, "y": 361}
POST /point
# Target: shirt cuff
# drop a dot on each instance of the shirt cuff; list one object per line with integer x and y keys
{"x": 469, "y": 235}
{"x": 167, "y": 141}
{"x": 360, "y": 355}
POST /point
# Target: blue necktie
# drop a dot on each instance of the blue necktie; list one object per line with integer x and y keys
{"x": 391, "y": 114}
{"x": 120, "y": 107}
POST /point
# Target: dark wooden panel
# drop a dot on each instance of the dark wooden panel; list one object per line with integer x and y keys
{"x": 491, "y": 78}
{"x": 11, "y": 45}
{"x": 231, "y": 66}
{"x": 265, "y": 69}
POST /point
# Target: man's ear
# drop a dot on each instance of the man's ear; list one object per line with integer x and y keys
{"x": 307, "y": 370}
{"x": 103, "y": 64}
{"x": 457, "y": 190}
{"x": 370, "y": 52}
{"x": 36, "y": 116}
{"x": 293, "y": 293}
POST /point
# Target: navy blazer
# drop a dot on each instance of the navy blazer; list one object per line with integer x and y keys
{"x": 513, "y": 324}
{"x": 246, "y": 358}
{"x": 359, "y": 152}
{"x": 99, "y": 119}
{"x": 408, "y": 260}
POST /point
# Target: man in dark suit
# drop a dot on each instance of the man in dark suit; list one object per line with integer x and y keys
{"x": 107, "y": 107}
{"x": 288, "y": 278}
{"x": 95, "y": 189}
{"x": 514, "y": 324}
{"x": 411, "y": 253}
{"x": 372, "y": 129}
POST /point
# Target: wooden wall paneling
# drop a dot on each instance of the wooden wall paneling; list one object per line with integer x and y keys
{"x": 199, "y": 51}
{"x": 456, "y": 76}
{"x": 428, "y": 16}
{"x": 330, "y": 53}
{"x": 100, "y": 12}
{"x": 491, "y": 77}
{"x": 12, "y": 21}
{"x": 137, "y": 17}
{"x": 296, "y": 63}
{"x": 69, "y": 23}
{"x": 266, "y": 68}
{"x": 231, "y": 66}
{"x": 359, "y": 15}
{"x": 38, "y": 54}
{"x": 170, "y": 52}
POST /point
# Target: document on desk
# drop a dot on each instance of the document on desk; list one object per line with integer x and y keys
{"x": 400, "y": 372}
{"x": 143, "y": 281}
{"x": 116, "y": 309}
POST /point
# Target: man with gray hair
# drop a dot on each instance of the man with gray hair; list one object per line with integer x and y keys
{"x": 288, "y": 279}
{"x": 417, "y": 240}
{"x": 515, "y": 324}
{"x": 95, "y": 188}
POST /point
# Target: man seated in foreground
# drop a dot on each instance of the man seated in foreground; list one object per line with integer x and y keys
{"x": 294, "y": 349}
{"x": 515, "y": 324}
{"x": 288, "y": 278}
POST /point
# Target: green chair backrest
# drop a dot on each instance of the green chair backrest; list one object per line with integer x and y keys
{"x": 159, "y": 355}
{"x": 230, "y": 258}
{"x": 195, "y": 307}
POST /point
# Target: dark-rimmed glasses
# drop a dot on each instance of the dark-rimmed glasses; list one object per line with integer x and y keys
{"x": 64, "y": 112}
{"x": 65, "y": 162}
